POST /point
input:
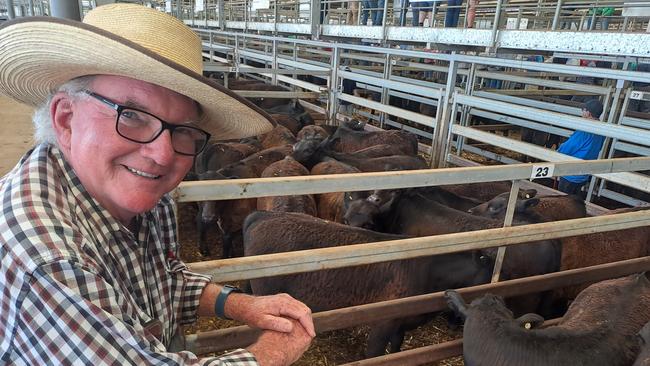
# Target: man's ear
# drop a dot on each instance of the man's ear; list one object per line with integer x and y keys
{"x": 61, "y": 113}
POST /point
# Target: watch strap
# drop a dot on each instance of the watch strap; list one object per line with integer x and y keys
{"x": 219, "y": 305}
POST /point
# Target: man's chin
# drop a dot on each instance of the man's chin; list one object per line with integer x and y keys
{"x": 141, "y": 204}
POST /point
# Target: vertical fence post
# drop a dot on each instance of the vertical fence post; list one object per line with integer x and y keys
{"x": 274, "y": 64}
{"x": 333, "y": 86}
{"x": 495, "y": 26}
{"x": 465, "y": 115}
{"x": 556, "y": 16}
{"x": 222, "y": 14}
{"x": 385, "y": 97}
{"x": 383, "y": 23}
{"x": 276, "y": 18}
{"x": 440, "y": 132}
{"x": 510, "y": 213}
{"x": 314, "y": 18}
{"x": 11, "y": 13}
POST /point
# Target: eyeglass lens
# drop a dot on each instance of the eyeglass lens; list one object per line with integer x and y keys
{"x": 142, "y": 127}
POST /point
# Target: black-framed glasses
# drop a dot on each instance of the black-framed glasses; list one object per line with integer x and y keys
{"x": 143, "y": 127}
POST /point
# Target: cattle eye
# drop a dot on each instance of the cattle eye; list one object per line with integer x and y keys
{"x": 527, "y": 195}
{"x": 527, "y": 325}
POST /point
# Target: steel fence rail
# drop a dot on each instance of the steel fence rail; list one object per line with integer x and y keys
{"x": 360, "y": 254}
{"x": 241, "y": 336}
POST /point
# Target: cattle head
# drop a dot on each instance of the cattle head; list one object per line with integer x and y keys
{"x": 644, "y": 341}
{"x": 235, "y": 170}
{"x": 362, "y": 213}
{"x": 208, "y": 209}
{"x": 354, "y": 124}
{"x": 208, "y": 213}
{"x": 490, "y": 306}
{"x": 305, "y": 149}
{"x": 496, "y": 207}
{"x": 312, "y": 132}
{"x": 253, "y": 141}
{"x": 367, "y": 213}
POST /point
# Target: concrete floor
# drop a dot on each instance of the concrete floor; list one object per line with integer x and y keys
{"x": 16, "y": 133}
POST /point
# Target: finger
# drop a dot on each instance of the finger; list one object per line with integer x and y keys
{"x": 308, "y": 323}
{"x": 292, "y": 308}
{"x": 301, "y": 313}
{"x": 276, "y": 323}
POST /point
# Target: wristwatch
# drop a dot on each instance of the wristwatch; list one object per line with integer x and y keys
{"x": 221, "y": 300}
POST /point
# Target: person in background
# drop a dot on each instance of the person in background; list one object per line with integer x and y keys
{"x": 603, "y": 13}
{"x": 582, "y": 145}
{"x": 453, "y": 13}
{"x": 378, "y": 17}
{"x": 368, "y": 10}
{"x": 423, "y": 10}
{"x": 90, "y": 273}
{"x": 353, "y": 12}
{"x": 471, "y": 13}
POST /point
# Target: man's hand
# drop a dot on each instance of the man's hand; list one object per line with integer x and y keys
{"x": 281, "y": 348}
{"x": 274, "y": 312}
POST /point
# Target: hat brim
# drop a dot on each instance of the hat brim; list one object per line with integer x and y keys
{"x": 39, "y": 54}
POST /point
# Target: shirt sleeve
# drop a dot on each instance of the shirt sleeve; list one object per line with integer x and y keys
{"x": 193, "y": 284}
{"x": 570, "y": 146}
{"x": 70, "y": 315}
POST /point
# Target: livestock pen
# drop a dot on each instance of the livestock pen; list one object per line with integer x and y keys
{"x": 481, "y": 73}
{"x": 296, "y": 262}
{"x": 456, "y": 97}
{"x": 460, "y": 95}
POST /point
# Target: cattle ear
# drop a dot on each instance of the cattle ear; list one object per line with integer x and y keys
{"x": 388, "y": 206}
{"x": 191, "y": 176}
{"x": 210, "y": 175}
{"x": 333, "y": 139}
{"x": 530, "y": 321}
{"x": 527, "y": 193}
{"x": 644, "y": 333}
{"x": 348, "y": 197}
{"x": 524, "y": 205}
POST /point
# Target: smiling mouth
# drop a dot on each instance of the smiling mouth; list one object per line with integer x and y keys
{"x": 141, "y": 173}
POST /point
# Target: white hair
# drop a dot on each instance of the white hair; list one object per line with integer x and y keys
{"x": 43, "y": 129}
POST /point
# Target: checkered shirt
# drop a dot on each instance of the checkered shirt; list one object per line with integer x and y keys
{"x": 77, "y": 287}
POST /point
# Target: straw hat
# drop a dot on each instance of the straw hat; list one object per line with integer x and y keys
{"x": 39, "y": 54}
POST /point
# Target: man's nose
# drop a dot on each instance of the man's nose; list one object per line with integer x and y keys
{"x": 161, "y": 149}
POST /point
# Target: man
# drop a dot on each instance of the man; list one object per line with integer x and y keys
{"x": 89, "y": 272}
{"x": 582, "y": 145}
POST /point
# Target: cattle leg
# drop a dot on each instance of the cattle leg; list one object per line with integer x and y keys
{"x": 396, "y": 340}
{"x": 454, "y": 321}
{"x": 380, "y": 335}
{"x": 202, "y": 228}
{"x": 226, "y": 243}
{"x": 456, "y": 303}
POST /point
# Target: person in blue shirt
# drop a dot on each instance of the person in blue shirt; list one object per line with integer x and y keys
{"x": 582, "y": 145}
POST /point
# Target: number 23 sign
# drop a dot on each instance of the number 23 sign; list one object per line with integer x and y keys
{"x": 542, "y": 171}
